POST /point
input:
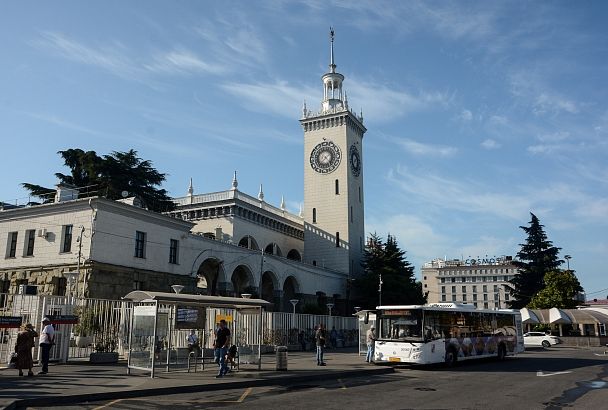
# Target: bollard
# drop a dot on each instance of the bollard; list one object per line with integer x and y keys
{"x": 281, "y": 357}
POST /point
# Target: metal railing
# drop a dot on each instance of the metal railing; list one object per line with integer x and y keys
{"x": 104, "y": 326}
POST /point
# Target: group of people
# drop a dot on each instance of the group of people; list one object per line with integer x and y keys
{"x": 25, "y": 343}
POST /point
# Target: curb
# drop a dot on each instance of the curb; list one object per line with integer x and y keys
{"x": 129, "y": 394}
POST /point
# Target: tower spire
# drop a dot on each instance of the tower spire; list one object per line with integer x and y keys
{"x": 235, "y": 183}
{"x": 333, "y": 96}
{"x": 190, "y": 188}
{"x": 332, "y": 65}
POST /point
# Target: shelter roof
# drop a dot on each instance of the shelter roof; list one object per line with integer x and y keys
{"x": 200, "y": 300}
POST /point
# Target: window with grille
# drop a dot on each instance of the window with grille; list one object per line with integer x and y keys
{"x": 140, "y": 244}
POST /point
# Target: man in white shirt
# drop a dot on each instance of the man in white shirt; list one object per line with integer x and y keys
{"x": 193, "y": 342}
{"x": 47, "y": 337}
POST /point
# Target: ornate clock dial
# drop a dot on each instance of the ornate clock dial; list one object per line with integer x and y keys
{"x": 355, "y": 160}
{"x": 325, "y": 157}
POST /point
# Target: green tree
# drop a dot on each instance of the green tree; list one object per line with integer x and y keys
{"x": 560, "y": 290}
{"x": 399, "y": 285}
{"x": 110, "y": 176}
{"x": 535, "y": 259}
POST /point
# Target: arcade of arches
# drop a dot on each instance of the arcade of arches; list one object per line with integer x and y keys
{"x": 242, "y": 281}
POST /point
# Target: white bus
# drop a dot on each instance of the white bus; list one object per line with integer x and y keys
{"x": 445, "y": 332}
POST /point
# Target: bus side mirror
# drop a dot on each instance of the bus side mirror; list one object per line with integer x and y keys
{"x": 366, "y": 320}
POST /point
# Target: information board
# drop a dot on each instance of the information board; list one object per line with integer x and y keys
{"x": 190, "y": 317}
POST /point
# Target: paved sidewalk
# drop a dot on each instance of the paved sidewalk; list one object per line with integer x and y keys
{"x": 80, "y": 381}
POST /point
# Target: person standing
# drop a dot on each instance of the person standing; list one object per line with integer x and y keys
{"x": 222, "y": 341}
{"x": 23, "y": 348}
{"x": 47, "y": 339}
{"x": 370, "y": 339}
{"x": 320, "y": 338}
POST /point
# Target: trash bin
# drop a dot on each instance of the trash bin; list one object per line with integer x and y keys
{"x": 281, "y": 357}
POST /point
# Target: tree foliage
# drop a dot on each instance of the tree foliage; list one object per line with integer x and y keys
{"x": 399, "y": 284}
{"x": 560, "y": 290}
{"x": 109, "y": 176}
{"x": 535, "y": 259}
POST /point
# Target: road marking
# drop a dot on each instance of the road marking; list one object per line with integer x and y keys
{"x": 108, "y": 405}
{"x": 540, "y": 373}
{"x": 245, "y": 394}
{"x": 342, "y": 384}
{"x": 240, "y": 400}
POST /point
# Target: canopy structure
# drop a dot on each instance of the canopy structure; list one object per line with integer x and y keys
{"x": 557, "y": 316}
{"x": 528, "y": 317}
{"x": 162, "y": 321}
{"x": 586, "y": 320}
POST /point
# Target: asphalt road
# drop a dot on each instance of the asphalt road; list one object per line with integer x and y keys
{"x": 553, "y": 378}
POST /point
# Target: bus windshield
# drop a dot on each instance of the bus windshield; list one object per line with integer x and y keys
{"x": 401, "y": 324}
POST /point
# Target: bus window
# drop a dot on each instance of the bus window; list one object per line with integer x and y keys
{"x": 401, "y": 325}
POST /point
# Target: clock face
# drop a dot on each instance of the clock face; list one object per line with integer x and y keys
{"x": 355, "y": 160}
{"x": 325, "y": 157}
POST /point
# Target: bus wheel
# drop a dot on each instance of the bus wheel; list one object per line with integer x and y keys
{"x": 450, "y": 357}
{"x": 502, "y": 352}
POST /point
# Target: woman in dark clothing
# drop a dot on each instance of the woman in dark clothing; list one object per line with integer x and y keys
{"x": 23, "y": 348}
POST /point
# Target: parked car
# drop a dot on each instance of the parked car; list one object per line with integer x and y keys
{"x": 537, "y": 339}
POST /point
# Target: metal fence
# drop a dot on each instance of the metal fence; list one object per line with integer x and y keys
{"x": 104, "y": 326}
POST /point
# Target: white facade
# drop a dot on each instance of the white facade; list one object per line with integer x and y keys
{"x": 480, "y": 282}
{"x": 113, "y": 262}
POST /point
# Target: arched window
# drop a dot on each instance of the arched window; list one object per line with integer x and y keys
{"x": 314, "y": 215}
{"x": 337, "y": 187}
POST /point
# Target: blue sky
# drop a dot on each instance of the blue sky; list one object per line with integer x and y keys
{"x": 477, "y": 112}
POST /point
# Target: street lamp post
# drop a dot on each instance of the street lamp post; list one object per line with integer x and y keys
{"x": 380, "y": 290}
{"x": 329, "y": 306}
{"x": 294, "y": 302}
{"x": 567, "y": 258}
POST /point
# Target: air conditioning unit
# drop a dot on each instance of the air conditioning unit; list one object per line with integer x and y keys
{"x": 42, "y": 233}
{"x": 28, "y": 289}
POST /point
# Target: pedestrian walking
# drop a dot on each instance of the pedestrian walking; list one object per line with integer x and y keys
{"x": 370, "y": 339}
{"x": 46, "y": 341}
{"x": 23, "y": 348}
{"x": 320, "y": 338}
{"x": 333, "y": 338}
{"x": 221, "y": 344}
{"x": 302, "y": 340}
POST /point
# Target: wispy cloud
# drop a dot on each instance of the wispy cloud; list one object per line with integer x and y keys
{"x": 279, "y": 98}
{"x": 426, "y": 150}
{"x": 465, "y": 115}
{"x": 416, "y": 236}
{"x": 66, "y": 124}
{"x": 383, "y": 103}
{"x": 490, "y": 144}
{"x": 464, "y": 195}
{"x": 109, "y": 57}
{"x": 181, "y": 61}
{"x": 543, "y": 100}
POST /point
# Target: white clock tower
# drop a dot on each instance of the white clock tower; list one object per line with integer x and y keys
{"x": 334, "y": 232}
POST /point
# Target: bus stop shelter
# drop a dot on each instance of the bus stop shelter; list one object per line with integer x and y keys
{"x": 160, "y": 323}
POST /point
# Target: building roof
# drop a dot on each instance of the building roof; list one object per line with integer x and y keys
{"x": 200, "y": 300}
